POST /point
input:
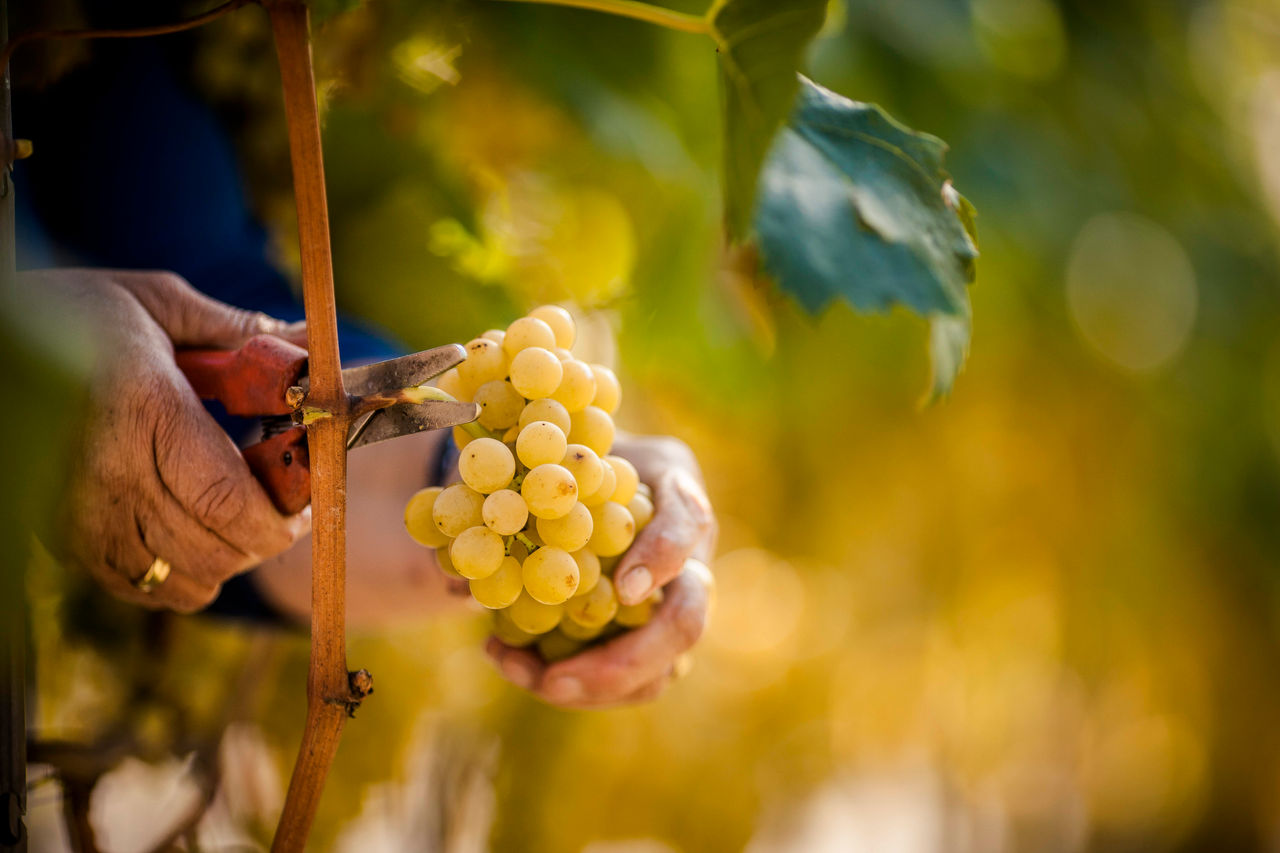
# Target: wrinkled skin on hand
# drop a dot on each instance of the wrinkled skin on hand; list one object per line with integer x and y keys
{"x": 155, "y": 476}
{"x": 671, "y": 553}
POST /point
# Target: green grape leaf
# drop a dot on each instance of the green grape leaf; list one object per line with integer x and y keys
{"x": 854, "y": 205}
{"x": 760, "y": 44}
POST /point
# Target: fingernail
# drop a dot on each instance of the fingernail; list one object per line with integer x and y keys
{"x": 567, "y": 689}
{"x": 633, "y": 588}
{"x": 518, "y": 673}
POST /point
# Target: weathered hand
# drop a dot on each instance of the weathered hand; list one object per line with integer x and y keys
{"x": 670, "y": 553}
{"x": 155, "y": 476}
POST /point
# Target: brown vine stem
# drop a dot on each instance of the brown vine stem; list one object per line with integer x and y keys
{"x": 133, "y": 32}
{"x": 330, "y": 695}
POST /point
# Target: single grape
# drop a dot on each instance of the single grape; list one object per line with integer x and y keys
{"x": 585, "y": 466}
{"x": 641, "y": 509}
{"x": 486, "y": 465}
{"x": 560, "y": 321}
{"x": 546, "y": 410}
{"x": 485, "y": 362}
{"x": 563, "y": 354}
{"x": 501, "y": 588}
{"x": 643, "y": 488}
{"x": 532, "y": 616}
{"x": 418, "y": 520}
{"x": 550, "y": 491}
{"x": 506, "y": 631}
{"x": 509, "y": 437}
{"x": 495, "y": 335}
{"x": 500, "y": 404}
{"x": 593, "y": 427}
{"x": 446, "y": 564}
{"x": 540, "y": 443}
{"x": 451, "y": 383}
{"x": 574, "y": 631}
{"x": 550, "y": 575}
{"x": 477, "y": 552}
{"x": 635, "y": 615}
{"x": 614, "y": 529}
{"x": 577, "y": 387}
{"x": 570, "y": 532}
{"x": 588, "y": 569}
{"x": 457, "y": 508}
{"x": 608, "y": 485}
{"x": 627, "y": 478}
{"x": 556, "y": 646}
{"x": 593, "y": 609}
{"x": 536, "y": 372}
{"x": 504, "y": 512}
{"x": 608, "y": 390}
{"x": 527, "y": 332}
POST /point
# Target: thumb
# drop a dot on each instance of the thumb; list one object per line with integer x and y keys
{"x": 192, "y": 319}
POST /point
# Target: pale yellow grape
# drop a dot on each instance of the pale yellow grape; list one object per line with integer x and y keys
{"x": 555, "y": 646}
{"x": 506, "y": 631}
{"x": 641, "y": 509}
{"x": 461, "y": 438}
{"x": 608, "y": 485}
{"x": 486, "y": 465}
{"x": 445, "y": 564}
{"x": 550, "y": 491}
{"x": 485, "y": 362}
{"x": 614, "y": 529}
{"x": 593, "y": 609}
{"x": 510, "y": 436}
{"x": 541, "y": 443}
{"x": 450, "y": 382}
{"x": 418, "y": 520}
{"x": 500, "y": 404}
{"x": 527, "y": 332}
{"x": 495, "y": 335}
{"x": 563, "y": 354}
{"x": 574, "y": 631}
{"x": 593, "y": 427}
{"x": 560, "y": 321}
{"x": 546, "y": 410}
{"x": 550, "y": 575}
{"x": 457, "y": 508}
{"x": 627, "y": 478}
{"x": 532, "y": 616}
{"x": 585, "y": 466}
{"x": 577, "y": 387}
{"x": 504, "y": 512}
{"x": 536, "y": 372}
{"x": 570, "y": 532}
{"x": 643, "y": 488}
{"x": 635, "y": 615}
{"x": 501, "y": 588}
{"x": 608, "y": 389}
{"x": 588, "y": 569}
{"x": 477, "y": 552}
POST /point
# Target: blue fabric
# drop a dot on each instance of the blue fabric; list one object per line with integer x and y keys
{"x": 132, "y": 171}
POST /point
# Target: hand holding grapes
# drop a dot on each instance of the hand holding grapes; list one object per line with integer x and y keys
{"x": 588, "y": 550}
{"x": 157, "y": 481}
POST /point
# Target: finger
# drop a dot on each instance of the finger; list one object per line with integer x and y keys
{"x": 192, "y": 319}
{"x": 521, "y": 667}
{"x": 201, "y": 467}
{"x": 683, "y": 526}
{"x": 127, "y": 561}
{"x": 615, "y": 670}
{"x": 168, "y": 531}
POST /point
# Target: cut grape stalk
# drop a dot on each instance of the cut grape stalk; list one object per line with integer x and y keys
{"x": 543, "y": 512}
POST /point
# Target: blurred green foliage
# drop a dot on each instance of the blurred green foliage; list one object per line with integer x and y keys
{"x": 1042, "y": 616}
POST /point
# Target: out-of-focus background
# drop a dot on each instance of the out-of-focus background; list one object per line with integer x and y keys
{"x": 1041, "y": 616}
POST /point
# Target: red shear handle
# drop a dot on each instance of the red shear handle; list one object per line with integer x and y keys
{"x": 248, "y": 381}
{"x": 282, "y": 465}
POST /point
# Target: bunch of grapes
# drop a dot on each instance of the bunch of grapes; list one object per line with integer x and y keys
{"x": 543, "y": 512}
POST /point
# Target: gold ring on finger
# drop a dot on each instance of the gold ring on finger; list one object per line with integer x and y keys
{"x": 157, "y": 573}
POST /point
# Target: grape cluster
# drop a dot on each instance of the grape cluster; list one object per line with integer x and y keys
{"x": 543, "y": 512}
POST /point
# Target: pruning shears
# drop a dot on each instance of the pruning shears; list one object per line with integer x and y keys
{"x": 267, "y": 378}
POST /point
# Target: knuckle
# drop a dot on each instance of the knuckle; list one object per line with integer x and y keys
{"x": 690, "y": 621}
{"x": 219, "y": 504}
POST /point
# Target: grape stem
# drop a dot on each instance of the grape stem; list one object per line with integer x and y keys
{"x": 423, "y": 393}
{"x": 527, "y": 542}
{"x": 647, "y": 12}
